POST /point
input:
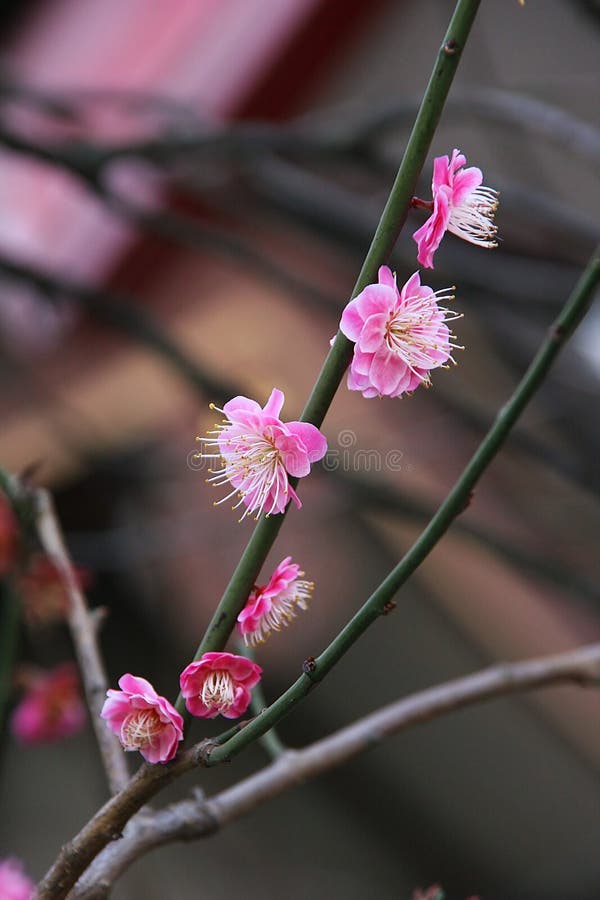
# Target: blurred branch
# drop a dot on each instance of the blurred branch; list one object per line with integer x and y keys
{"x": 199, "y": 817}
{"x": 83, "y": 626}
{"x": 119, "y": 314}
{"x": 504, "y": 108}
{"x": 372, "y": 496}
{"x": 89, "y": 162}
{"x": 351, "y": 130}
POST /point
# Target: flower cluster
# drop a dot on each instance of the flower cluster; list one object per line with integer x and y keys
{"x": 400, "y": 336}
{"x": 143, "y": 720}
{"x": 218, "y": 683}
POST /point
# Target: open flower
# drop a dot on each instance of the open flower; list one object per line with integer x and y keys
{"x": 51, "y": 708}
{"x": 259, "y": 452}
{"x": 143, "y": 720}
{"x": 461, "y": 204}
{"x": 219, "y": 684}
{"x": 399, "y": 335}
{"x": 14, "y": 884}
{"x": 275, "y": 604}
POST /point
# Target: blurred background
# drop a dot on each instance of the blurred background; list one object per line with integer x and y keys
{"x": 187, "y": 192}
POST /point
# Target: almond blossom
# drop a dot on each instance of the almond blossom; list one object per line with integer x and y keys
{"x": 14, "y": 884}
{"x": 399, "y": 335}
{"x": 219, "y": 684}
{"x": 143, "y": 720}
{"x": 51, "y": 708}
{"x": 274, "y": 605}
{"x": 259, "y": 452}
{"x": 461, "y": 204}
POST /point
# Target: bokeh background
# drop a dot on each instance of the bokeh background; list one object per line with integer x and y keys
{"x": 187, "y": 192}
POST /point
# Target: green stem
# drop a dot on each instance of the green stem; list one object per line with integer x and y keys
{"x": 9, "y": 642}
{"x": 338, "y": 358}
{"x": 456, "y": 502}
{"x": 270, "y": 740}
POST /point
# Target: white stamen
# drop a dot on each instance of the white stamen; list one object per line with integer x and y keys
{"x": 411, "y": 331}
{"x": 140, "y": 729}
{"x": 473, "y": 220}
{"x": 283, "y": 609}
{"x": 218, "y": 690}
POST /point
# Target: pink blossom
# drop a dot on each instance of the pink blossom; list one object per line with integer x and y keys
{"x": 14, "y": 884}
{"x": 219, "y": 684}
{"x": 143, "y": 720}
{"x": 52, "y": 707}
{"x": 461, "y": 204}
{"x": 399, "y": 336}
{"x": 275, "y": 604}
{"x": 259, "y": 452}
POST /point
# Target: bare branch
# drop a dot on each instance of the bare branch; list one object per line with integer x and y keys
{"x": 83, "y": 626}
{"x": 197, "y": 817}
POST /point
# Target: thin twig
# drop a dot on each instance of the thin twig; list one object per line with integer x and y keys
{"x": 122, "y": 315}
{"x": 83, "y": 626}
{"x": 198, "y": 817}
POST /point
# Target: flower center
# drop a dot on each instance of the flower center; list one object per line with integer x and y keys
{"x": 140, "y": 729}
{"x": 417, "y": 330}
{"x": 218, "y": 690}
{"x": 473, "y": 219}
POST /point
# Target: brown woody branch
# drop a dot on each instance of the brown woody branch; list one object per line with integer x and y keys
{"x": 83, "y": 626}
{"x": 198, "y": 818}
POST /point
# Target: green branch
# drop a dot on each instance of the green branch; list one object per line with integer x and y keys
{"x": 338, "y": 358}
{"x": 270, "y": 740}
{"x": 456, "y": 502}
{"x": 9, "y": 644}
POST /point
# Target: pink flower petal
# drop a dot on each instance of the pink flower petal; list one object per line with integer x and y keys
{"x": 313, "y": 441}
{"x": 386, "y": 276}
{"x": 274, "y": 404}
{"x": 465, "y": 183}
{"x": 373, "y": 333}
{"x": 376, "y": 298}
{"x": 412, "y": 287}
{"x": 241, "y": 405}
{"x": 351, "y": 322}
